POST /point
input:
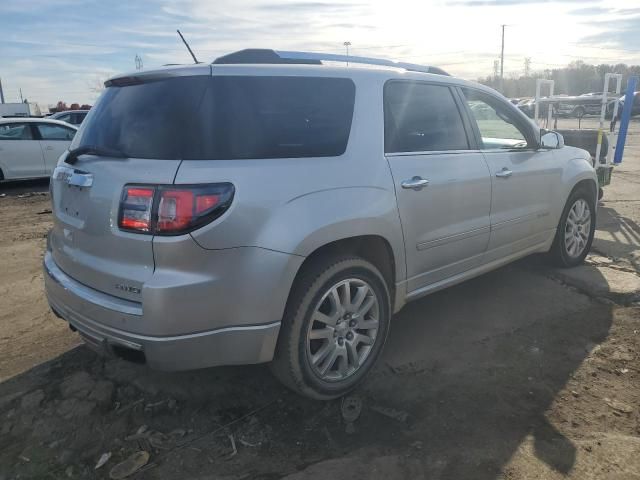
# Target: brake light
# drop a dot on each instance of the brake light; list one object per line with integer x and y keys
{"x": 172, "y": 209}
{"x": 135, "y": 209}
{"x": 175, "y": 211}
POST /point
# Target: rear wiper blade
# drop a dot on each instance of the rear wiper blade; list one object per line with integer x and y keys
{"x": 73, "y": 155}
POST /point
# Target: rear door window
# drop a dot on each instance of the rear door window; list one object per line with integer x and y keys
{"x": 55, "y": 132}
{"x": 15, "y": 131}
{"x": 422, "y": 117}
{"x": 223, "y": 117}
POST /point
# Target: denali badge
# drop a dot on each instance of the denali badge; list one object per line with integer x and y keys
{"x": 127, "y": 288}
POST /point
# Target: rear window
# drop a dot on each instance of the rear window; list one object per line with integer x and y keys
{"x": 223, "y": 117}
{"x": 421, "y": 117}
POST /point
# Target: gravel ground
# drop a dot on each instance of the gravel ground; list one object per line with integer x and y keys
{"x": 525, "y": 373}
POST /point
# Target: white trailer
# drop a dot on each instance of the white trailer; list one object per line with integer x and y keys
{"x": 20, "y": 110}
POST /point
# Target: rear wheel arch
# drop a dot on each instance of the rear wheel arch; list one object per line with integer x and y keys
{"x": 293, "y": 362}
{"x": 373, "y": 248}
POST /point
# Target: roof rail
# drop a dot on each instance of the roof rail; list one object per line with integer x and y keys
{"x": 259, "y": 55}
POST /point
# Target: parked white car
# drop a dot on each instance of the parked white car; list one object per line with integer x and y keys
{"x": 30, "y": 147}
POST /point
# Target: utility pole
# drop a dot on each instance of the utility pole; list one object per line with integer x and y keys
{"x": 347, "y": 45}
{"x": 502, "y": 62}
{"x": 1, "y": 92}
{"x": 527, "y": 66}
{"x": 138, "y": 61}
{"x": 21, "y": 99}
{"x": 496, "y": 69}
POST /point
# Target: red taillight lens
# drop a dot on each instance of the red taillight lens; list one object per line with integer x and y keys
{"x": 135, "y": 209}
{"x": 176, "y": 209}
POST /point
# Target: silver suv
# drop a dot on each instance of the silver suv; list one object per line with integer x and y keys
{"x": 271, "y": 208}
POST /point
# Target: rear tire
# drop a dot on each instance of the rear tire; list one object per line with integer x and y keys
{"x": 335, "y": 325}
{"x": 575, "y": 231}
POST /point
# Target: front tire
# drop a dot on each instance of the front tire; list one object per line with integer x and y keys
{"x": 335, "y": 325}
{"x": 575, "y": 231}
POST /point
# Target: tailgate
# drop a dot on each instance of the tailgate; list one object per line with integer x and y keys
{"x": 86, "y": 242}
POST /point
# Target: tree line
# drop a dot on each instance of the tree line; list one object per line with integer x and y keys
{"x": 575, "y": 79}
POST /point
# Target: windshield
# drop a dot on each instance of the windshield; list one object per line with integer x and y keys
{"x": 223, "y": 117}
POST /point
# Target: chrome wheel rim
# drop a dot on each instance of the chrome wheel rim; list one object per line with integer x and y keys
{"x": 343, "y": 329}
{"x": 577, "y": 228}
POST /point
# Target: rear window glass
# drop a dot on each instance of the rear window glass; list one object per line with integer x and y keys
{"x": 421, "y": 117}
{"x": 223, "y": 117}
{"x": 147, "y": 120}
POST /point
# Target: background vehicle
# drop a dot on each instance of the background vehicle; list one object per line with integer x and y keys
{"x": 635, "y": 108}
{"x": 20, "y": 109}
{"x": 253, "y": 210}
{"x": 73, "y": 117}
{"x": 30, "y": 147}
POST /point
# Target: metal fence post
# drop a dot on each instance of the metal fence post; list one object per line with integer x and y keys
{"x": 629, "y": 99}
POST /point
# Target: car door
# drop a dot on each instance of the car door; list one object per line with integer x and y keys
{"x": 443, "y": 186}
{"x": 54, "y": 140}
{"x": 20, "y": 153}
{"x": 526, "y": 180}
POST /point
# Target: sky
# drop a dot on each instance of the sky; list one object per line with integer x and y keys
{"x": 64, "y": 49}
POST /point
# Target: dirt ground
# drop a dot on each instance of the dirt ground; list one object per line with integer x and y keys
{"x": 525, "y": 373}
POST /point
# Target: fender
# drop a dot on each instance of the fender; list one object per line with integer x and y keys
{"x": 576, "y": 169}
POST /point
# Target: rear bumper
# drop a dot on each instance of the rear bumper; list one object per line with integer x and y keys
{"x": 82, "y": 306}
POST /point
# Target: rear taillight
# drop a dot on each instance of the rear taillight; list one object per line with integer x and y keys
{"x": 172, "y": 209}
{"x": 135, "y": 208}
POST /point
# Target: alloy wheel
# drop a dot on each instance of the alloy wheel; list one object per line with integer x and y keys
{"x": 343, "y": 329}
{"x": 577, "y": 228}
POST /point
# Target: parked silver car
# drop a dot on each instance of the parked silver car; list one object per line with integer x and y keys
{"x": 272, "y": 211}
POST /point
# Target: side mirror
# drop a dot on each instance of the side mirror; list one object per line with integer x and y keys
{"x": 551, "y": 140}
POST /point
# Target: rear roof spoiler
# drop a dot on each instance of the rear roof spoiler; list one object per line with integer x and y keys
{"x": 267, "y": 56}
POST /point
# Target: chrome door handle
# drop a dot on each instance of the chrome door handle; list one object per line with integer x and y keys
{"x": 415, "y": 183}
{"x": 504, "y": 173}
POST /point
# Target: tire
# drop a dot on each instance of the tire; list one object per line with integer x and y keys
{"x": 566, "y": 253}
{"x": 579, "y": 112}
{"x": 305, "y": 361}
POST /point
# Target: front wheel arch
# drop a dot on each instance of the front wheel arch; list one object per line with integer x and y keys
{"x": 588, "y": 185}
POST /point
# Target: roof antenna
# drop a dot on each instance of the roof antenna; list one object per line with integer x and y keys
{"x": 195, "y": 60}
